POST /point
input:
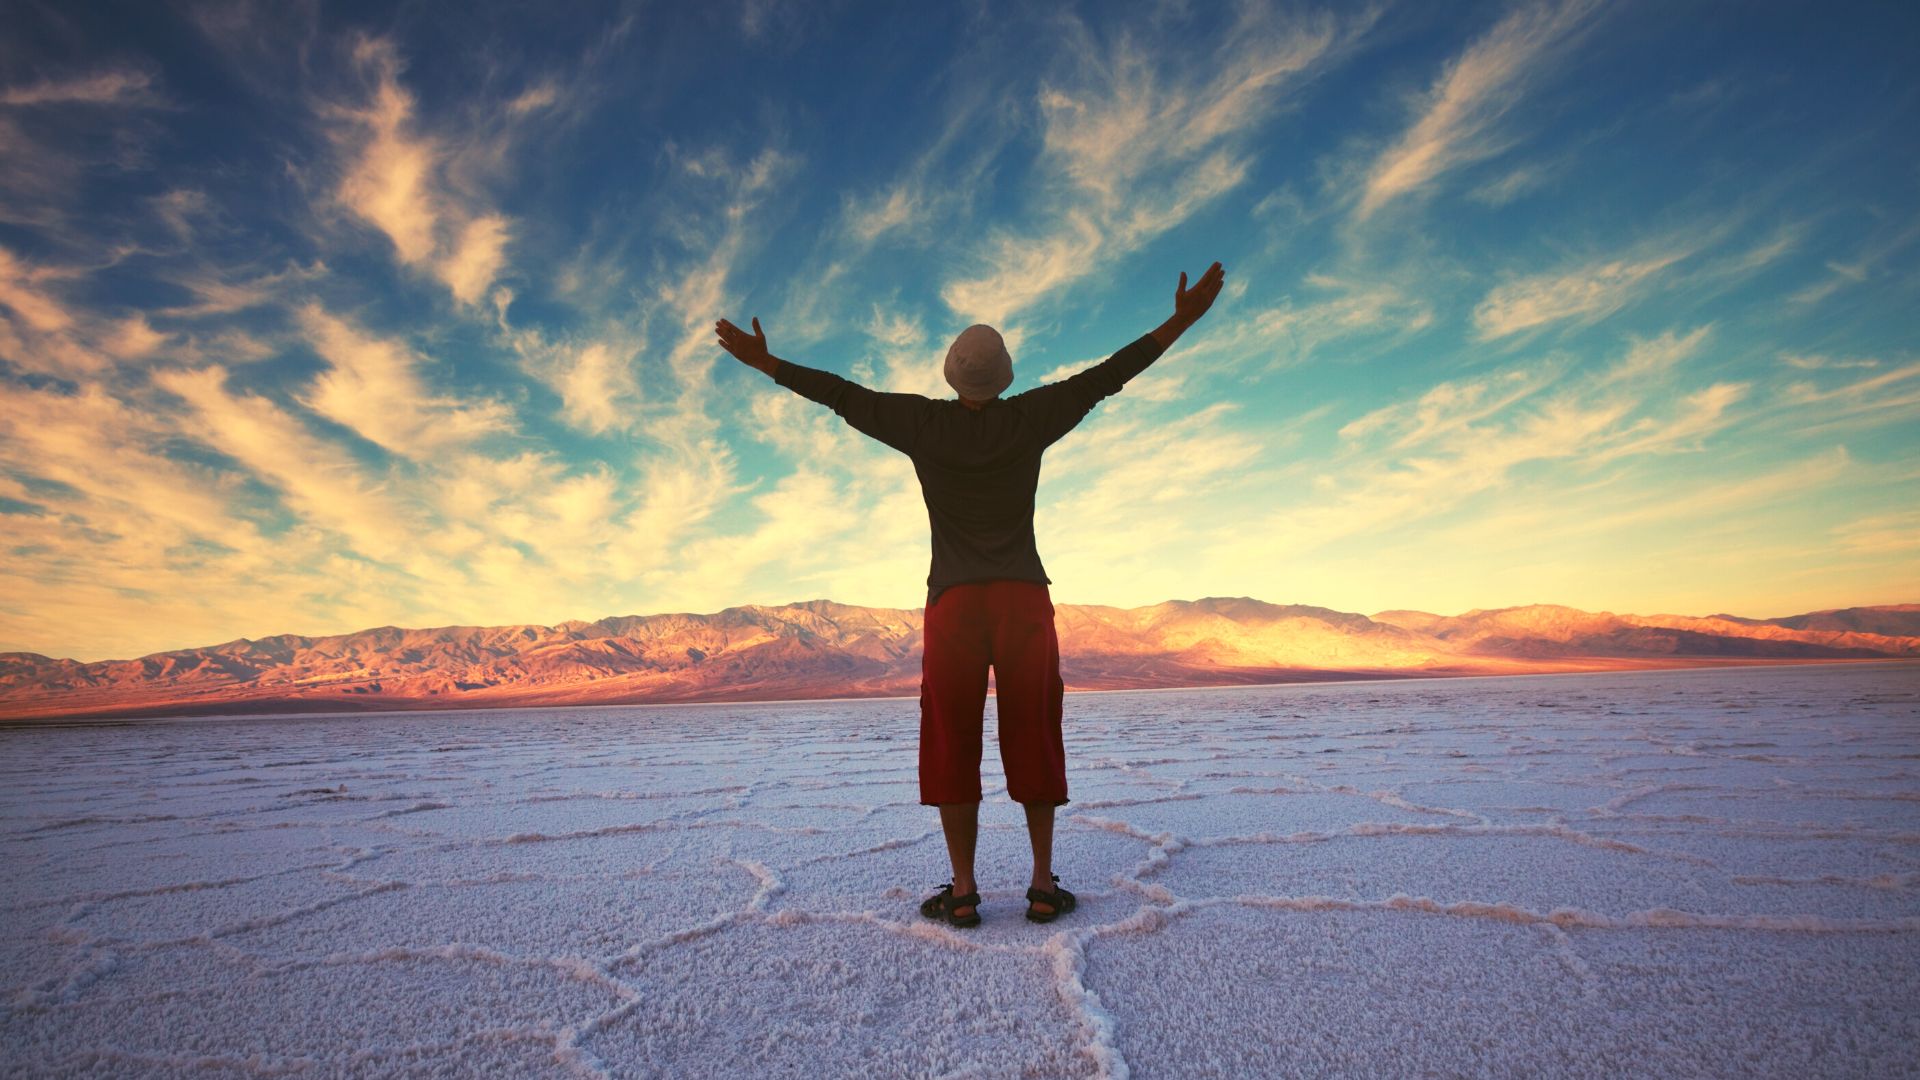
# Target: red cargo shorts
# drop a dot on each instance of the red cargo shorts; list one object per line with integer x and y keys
{"x": 1007, "y": 625}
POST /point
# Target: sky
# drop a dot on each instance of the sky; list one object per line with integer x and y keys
{"x": 319, "y": 317}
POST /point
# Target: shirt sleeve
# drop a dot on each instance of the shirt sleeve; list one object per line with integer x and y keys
{"x": 894, "y": 419}
{"x": 1059, "y": 407}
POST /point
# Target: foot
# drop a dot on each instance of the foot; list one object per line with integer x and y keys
{"x": 942, "y": 905}
{"x": 964, "y": 911}
{"x": 1046, "y": 901}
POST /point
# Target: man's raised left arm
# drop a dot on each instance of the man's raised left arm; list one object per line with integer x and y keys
{"x": 1062, "y": 405}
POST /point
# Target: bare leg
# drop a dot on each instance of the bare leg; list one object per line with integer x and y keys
{"x": 1040, "y": 831}
{"x": 961, "y": 823}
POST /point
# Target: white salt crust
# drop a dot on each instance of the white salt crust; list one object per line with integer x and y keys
{"x": 1702, "y": 873}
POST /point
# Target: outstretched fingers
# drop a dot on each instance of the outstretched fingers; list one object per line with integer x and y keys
{"x": 749, "y": 349}
{"x": 1191, "y": 302}
{"x": 1211, "y": 281}
{"x": 729, "y": 333}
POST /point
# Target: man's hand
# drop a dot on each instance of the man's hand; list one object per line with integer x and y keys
{"x": 1190, "y": 304}
{"x": 749, "y": 349}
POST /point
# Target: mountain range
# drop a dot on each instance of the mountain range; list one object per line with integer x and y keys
{"x": 823, "y": 649}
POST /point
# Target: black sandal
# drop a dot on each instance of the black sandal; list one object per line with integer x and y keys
{"x": 941, "y": 904}
{"x": 1059, "y": 899}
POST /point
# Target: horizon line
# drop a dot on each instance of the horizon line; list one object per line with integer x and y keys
{"x": 921, "y": 609}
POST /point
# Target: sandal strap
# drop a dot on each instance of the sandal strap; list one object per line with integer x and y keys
{"x": 1059, "y": 899}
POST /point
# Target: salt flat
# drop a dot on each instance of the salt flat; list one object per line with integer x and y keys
{"x": 1701, "y": 873}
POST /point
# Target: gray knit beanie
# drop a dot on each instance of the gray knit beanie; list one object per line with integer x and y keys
{"x": 978, "y": 365}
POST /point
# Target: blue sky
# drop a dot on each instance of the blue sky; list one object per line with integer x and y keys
{"x": 320, "y": 317}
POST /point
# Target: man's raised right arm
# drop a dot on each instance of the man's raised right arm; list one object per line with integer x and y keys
{"x": 893, "y": 419}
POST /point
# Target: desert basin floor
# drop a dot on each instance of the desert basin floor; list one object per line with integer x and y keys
{"x": 1703, "y": 873}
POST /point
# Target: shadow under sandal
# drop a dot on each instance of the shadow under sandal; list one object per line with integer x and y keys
{"x": 1060, "y": 900}
{"x": 941, "y": 904}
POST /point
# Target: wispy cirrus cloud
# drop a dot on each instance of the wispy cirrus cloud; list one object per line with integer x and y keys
{"x": 1814, "y": 362}
{"x": 1652, "y": 358}
{"x": 1513, "y": 186}
{"x": 895, "y": 208}
{"x": 1416, "y": 483}
{"x": 403, "y": 183}
{"x": 375, "y": 386}
{"x": 905, "y": 358}
{"x": 1891, "y": 396}
{"x": 319, "y": 480}
{"x": 596, "y": 378}
{"x": 641, "y": 358}
{"x": 24, "y": 292}
{"x": 118, "y": 529}
{"x": 1448, "y": 407}
{"x": 42, "y": 330}
{"x": 410, "y": 333}
{"x": 90, "y": 447}
{"x": 1134, "y": 145}
{"x": 1702, "y": 259}
{"x": 1334, "y": 309}
{"x": 914, "y": 207}
{"x": 1699, "y": 414}
{"x": 110, "y": 87}
{"x": 1418, "y": 459}
{"x": 1460, "y": 117}
{"x": 1880, "y": 533}
{"x": 1586, "y": 292}
{"x": 1867, "y": 261}
{"x": 1614, "y": 510}
{"x": 1807, "y": 393}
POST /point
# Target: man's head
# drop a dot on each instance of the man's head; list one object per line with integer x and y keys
{"x": 978, "y": 366}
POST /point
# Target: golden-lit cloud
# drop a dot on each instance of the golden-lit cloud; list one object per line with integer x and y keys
{"x": 1880, "y": 533}
{"x": 1431, "y": 454}
{"x": 895, "y": 208}
{"x": 359, "y": 330}
{"x": 1459, "y": 119}
{"x": 113, "y": 87}
{"x": 1584, "y": 292}
{"x": 45, "y": 332}
{"x": 375, "y": 387}
{"x": 23, "y": 293}
{"x": 1137, "y": 147}
{"x": 399, "y": 181}
{"x": 319, "y": 480}
{"x": 1891, "y": 396}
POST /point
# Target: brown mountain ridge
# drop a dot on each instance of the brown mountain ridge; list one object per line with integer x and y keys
{"x": 823, "y": 649}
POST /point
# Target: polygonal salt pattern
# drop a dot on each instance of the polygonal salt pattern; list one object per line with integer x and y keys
{"x": 177, "y": 1006}
{"x": 1336, "y": 993}
{"x": 1678, "y": 874}
{"x": 808, "y": 996}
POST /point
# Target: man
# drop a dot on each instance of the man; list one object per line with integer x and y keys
{"x": 978, "y": 459}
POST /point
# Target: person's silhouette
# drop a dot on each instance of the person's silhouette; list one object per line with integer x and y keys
{"x": 978, "y": 459}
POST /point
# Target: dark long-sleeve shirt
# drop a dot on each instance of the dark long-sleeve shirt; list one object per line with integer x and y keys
{"x": 978, "y": 468}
